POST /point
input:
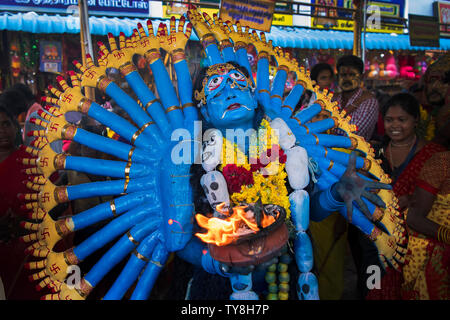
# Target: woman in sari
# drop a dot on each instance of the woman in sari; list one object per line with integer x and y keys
{"x": 403, "y": 155}
{"x": 426, "y": 271}
{"x": 12, "y": 256}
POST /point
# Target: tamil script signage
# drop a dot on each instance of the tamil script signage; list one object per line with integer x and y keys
{"x": 256, "y": 14}
{"x": 382, "y": 15}
{"x": 423, "y": 31}
{"x": 134, "y": 8}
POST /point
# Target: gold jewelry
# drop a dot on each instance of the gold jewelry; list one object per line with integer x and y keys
{"x": 149, "y": 104}
{"x": 186, "y": 105}
{"x": 276, "y": 96}
{"x": 137, "y": 133}
{"x": 289, "y": 107}
{"x": 112, "y": 206}
{"x": 130, "y": 237}
{"x": 140, "y": 256}
{"x": 169, "y": 109}
{"x": 391, "y": 159}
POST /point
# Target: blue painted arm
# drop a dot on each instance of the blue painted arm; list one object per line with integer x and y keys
{"x": 185, "y": 90}
{"x": 167, "y": 93}
{"x": 110, "y": 168}
{"x": 242, "y": 59}
{"x": 136, "y": 113}
{"x": 149, "y": 102}
{"x": 113, "y": 229}
{"x": 228, "y": 54}
{"x": 133, "y": 268}
{"x": 276, "y": 94}
{"x": 120, "y": 250}
{"x": 150, "y": 274}
{"x": 110, "y": 188}
{"x": 108, "y": 210}
{"x": 116, "y": 123}
{"x": 291, "y": 101}
{"x": 115, "y": 148}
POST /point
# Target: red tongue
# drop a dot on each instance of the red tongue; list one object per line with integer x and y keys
{"x": 233, "y": 106}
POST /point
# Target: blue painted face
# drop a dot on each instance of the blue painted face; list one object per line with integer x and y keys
{"x": 229, "y": 101}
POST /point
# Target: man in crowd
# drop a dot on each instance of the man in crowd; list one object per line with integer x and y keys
{"x": 360, "y": 104}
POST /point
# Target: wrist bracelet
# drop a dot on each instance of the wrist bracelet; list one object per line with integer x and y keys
{"x": 443, "y": 234}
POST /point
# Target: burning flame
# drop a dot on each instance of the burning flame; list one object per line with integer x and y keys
{"x": 224, "y": 231}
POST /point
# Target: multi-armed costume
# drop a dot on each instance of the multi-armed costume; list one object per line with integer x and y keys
{"x": 245, "y": 182}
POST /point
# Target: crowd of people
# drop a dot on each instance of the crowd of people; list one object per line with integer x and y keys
{"x": 409, "y": 133}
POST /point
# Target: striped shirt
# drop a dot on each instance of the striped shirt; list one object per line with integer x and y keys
{"x": 364, "y": 116}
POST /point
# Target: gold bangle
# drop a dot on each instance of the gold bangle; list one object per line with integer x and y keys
{"x": 186, "y": 105}
{"x": 137, "y": 133}
{"x": 226, "y": 43}
{"x": 133, "y": 240}
{"x": 264, "y": 91}
{"x": 306, "y": 128}
{"x": 289, "y": 107}
{"x": 61, "y": 227}
{"x": 152, "y": 55}
{"x": 84, "y": 105}
{"x": 326, "y": 151}
{"x": 169, "y": 109}
{"x": 112, "y": 206}
{"x": 374, "y": 234}
{"x": 60, "y": 161}
{"x": 178, "y": 55}
{"x": 68, "y": 131}
{"x": 61, "y": 194}
{"x": 317, "y": 138}
{"x": 84, "y": 289}
{"x": 263, "y": 55}
{"x": 127, "y": 68}
{"x": 148, "y": 105}
{"x": 103, "y": 82}
{"x": 70, "y": 258}
{"x": 283, "y": 67}
{"x": 140, "y": 256}
{"x": 276, "y": 96}
{"x": 298, "y": 120}
{"x": 331, "y": 165}
{"x": 239, "y": 45}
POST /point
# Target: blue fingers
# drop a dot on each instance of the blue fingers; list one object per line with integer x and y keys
{"x": 149, "y": 102}
{"x": 113, "y": 229}
{"x": 136, "y": 113}
{"x": 337, "y": 156}
{"x": 291, "y": 101}
{"x": 326, "y": 140}
{"x": 120, "y": 250}
{"x": 110, "y": 188}
{"x": 119, "y": 125}
{"x": 115, "y": 148}
{"x": 185, "y": 90}
{"x": 359, "y": 220}
{"x": 109, "y": 209}
{"x": 133, "y": 268}
{"x": 242, "y": 59}
{"x": 167, "y": 94}
{"x": 150, "y": 274}
{"x": 110, "y": 168}
{"x": 229, "y": 55}
{"x": 213, "y": 54}
{"x": 308, "y": 113}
